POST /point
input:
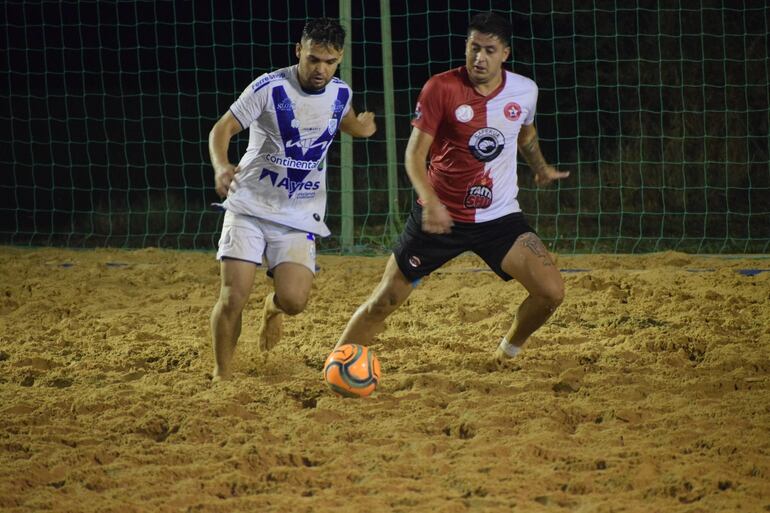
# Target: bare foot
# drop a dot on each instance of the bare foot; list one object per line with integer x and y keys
{"x": 218, "y": 376}
{"x": 501, "y": 361}
{"x": 272, "y": 324}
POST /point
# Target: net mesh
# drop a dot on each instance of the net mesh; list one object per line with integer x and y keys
{"x": 659, "y": 110}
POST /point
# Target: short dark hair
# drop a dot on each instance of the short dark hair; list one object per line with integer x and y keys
{"x": 492, "y": 23}
{"x": 325, "y": 31}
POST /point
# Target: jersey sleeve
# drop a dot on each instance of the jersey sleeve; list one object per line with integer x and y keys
{"x": 429, "y": 112}
{"x": 532, "y": 107}
{"x": 251, "y": 102}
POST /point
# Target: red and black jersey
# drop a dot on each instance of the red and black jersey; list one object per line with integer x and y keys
{"x": 473, "y": 157}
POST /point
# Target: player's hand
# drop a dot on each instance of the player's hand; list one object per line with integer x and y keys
{"x": 436, "y": 218}
{"x": 368, "y": 126}
{"x": 548, "y": 174}
{"x": 223, "y": 178}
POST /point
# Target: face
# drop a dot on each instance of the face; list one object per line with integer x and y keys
{"x": 484, "y": 57}
{"x": 317, "y": 64}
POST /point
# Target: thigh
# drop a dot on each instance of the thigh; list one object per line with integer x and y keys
{"x": 529, "y": 263}
{"x": 241, "y": 239}
{"x": 493, "y": 240}
{"x": 417, "y": 254}
{"x": 288, "y": 246}
{"x": 237, "y": 278}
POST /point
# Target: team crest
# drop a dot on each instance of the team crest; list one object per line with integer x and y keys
{"x": 464, "y": 113}
{"x": 479, "y": 194}
{"x": 512, "y": 111}
{"x": 332, "y": 127}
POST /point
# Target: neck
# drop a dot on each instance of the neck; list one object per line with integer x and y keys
{"x": 487, "y": 88}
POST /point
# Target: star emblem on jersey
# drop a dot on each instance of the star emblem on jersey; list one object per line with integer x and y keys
{"x": 512, "y": 111}
{"x": 464, "y": 113}
{"x": 486, "y": 144}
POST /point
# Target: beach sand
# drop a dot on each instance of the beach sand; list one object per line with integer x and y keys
{"x": 647, "y": 391}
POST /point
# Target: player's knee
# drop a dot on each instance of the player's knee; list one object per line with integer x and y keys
{"x": 291, "y": 304}
{"x": 554, "y": 296}
{"x": 232, "y": 300}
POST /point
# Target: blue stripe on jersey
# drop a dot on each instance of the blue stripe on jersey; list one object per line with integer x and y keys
{"x": 284, "y": 113}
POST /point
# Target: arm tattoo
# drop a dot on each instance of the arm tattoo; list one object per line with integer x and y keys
{"x": 532, "y": 153}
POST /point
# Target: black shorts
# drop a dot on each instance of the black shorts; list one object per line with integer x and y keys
{"x": 418, "y": 253}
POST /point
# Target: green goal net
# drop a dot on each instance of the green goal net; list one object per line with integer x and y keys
{"x": 658, "y": 109}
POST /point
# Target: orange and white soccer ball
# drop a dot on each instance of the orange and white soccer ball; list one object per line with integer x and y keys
{"x": 352, "y": 370}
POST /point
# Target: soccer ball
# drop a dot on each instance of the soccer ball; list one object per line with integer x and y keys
{"x": 352, "y": 370}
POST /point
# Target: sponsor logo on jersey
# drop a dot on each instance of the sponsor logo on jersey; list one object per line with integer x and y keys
{"x": 307, "y": 144}
{"x": 285, "y": 105}
{"x": 266, "y": 79}
{"x": 464, "y": 113}
{"x": 282, "y": 161}
{"x": 486, "y": 144}
{"x": 479, "y": 193}
{"x": 338, "y": 107}
{"x": 512, "y": 111}
{"x": 292, "y": 186}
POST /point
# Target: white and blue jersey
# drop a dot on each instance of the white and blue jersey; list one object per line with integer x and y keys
{"x": 282, "y": 177}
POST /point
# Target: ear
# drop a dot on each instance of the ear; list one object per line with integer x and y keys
{"x": 507, "y": 52}
{"x": 298, "y": 49}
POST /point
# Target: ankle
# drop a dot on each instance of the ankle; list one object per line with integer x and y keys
{"x": 509, "y": 349}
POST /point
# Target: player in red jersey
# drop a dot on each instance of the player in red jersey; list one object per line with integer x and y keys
{"x": 469, "y": 123}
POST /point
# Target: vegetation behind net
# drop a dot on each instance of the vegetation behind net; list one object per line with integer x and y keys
{"x": 659, "y": 110}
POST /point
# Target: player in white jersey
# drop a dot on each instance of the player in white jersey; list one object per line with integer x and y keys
{"x": 469, "y": 122}
{"x": 276, "y": 195}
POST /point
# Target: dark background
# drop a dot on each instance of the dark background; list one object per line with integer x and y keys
{"x": 659, "y": 110}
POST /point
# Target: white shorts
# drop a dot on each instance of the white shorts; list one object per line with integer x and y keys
{"x": 250, "y": 238}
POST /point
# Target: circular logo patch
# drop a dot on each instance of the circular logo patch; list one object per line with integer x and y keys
{"x": 414, "y": 261}
{"x": 464, "y": 113}
{"x": 486, "y": 144}
{"x": 512, "y": 111}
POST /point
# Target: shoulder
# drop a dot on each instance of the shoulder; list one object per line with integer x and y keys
{"x": 339, "y": 85}
{"x": 450, "y": 79}
{"x": 266, "y": 79}
{"x": 444, "y": 86}
{"x": 520, "y": 81}
{"x": 338, "y": 82}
